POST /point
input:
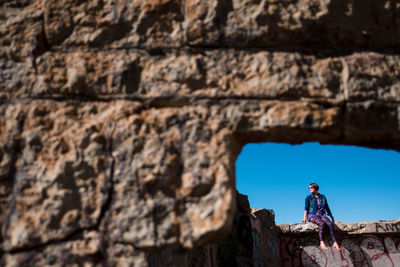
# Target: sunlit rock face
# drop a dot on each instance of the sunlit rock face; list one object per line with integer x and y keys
{"x": 121, "y": 120}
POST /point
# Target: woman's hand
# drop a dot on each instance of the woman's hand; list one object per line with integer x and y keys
{"x": 303, "y": 221}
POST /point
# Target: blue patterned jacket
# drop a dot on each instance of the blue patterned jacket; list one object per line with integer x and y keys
{"x": 311, "y": 204}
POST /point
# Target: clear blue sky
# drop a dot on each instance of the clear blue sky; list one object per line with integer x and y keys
{"x": 361, "y": 184}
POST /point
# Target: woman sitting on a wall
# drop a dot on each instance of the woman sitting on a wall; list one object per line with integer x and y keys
{"x": 316, "y": 207}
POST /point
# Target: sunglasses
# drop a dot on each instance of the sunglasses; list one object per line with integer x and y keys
{"x": 310, "y": 187}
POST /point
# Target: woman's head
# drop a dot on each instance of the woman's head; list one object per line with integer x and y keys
{"x": 313, "y": 187}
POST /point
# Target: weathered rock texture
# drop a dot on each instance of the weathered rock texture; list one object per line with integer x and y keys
{"x": 237, "y": 249}
{"x": 121, "y": 120}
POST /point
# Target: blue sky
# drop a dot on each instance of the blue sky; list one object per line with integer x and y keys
{"x": 361, "y": 184}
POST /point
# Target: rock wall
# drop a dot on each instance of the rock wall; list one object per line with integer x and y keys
{"x": 363, "y": 250}
{"x": 121, "y": 120}
{"x": 362, "y": 243}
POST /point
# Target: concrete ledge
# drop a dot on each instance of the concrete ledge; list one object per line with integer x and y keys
{"x": 386, "y": 227}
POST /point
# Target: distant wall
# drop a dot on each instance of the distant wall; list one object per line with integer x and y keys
{"x": 357, "y": 250}
{"x": 363, "y": 244}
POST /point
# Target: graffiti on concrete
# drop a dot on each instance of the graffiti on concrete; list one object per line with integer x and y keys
{"x": 387, "y": 227}
{"x": 362, "y": 250}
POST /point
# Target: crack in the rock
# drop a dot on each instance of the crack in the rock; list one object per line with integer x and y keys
{"x": 343, "y": 109}
{"x": 105, "y": 211}
{"x": 13, "y": 174}
{"x": 318, "y": 50}
{"x": 187, "y": 100}
{"x": 42, "y": 45}
{"x": 12, "y": 177}
{"x": 109, "y": 150}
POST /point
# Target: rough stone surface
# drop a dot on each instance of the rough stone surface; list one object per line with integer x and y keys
{"x": 114, "y": 24}
{"x": 82, "y": 250}
{"x": 120, "y": 121}
{"x": 57, "y": 171}
{"x": 193, "y": 73}
{"x": 301, "y": 22}
{"x": 234, "y": 250}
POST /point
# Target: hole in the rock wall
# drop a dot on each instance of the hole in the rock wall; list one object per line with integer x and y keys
{"x": 361, "y": 184}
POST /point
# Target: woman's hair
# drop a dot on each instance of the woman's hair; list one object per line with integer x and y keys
{"x": 315, "y": 186}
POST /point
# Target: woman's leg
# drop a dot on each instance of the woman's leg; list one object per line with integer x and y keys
{"x": 321, "y": 225}
{"x": 330, "y": 226}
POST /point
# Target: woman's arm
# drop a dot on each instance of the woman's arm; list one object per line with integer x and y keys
{"x": 305, "y": 217}
{"x": 307, "y": 203}
{"x": 306, "y": 207}
{"x": 328, "y": 210}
